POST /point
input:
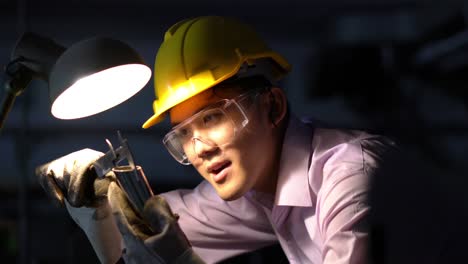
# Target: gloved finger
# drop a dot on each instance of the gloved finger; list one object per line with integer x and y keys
{"x": 81, "y": 188}
{"x": 128, "y": 221}
{"x": 135, "y": 249}
{"x": 101, "y": 187}
{"x": 88, "y": 189}
{"x": 158, "y": 213}
{"x": 48, "y": 183}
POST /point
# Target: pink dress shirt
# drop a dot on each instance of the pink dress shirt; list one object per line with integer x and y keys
{"x": 317, "y": 214}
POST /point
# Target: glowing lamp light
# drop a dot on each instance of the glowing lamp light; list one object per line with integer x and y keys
{"x": 93, "y": 76}
{"x": 100, "y": 91}
{"x": 89, "y": 77}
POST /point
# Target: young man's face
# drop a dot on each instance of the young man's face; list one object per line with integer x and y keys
{"x": 236, "y": 167}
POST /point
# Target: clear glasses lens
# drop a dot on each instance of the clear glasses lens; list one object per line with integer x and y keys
{"x": 215, "y": 126}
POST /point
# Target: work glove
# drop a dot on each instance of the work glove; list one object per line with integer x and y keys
{"x": 72, "y": 181}
{"x": 153, "y": 237}
{"x": 72, "y": 178}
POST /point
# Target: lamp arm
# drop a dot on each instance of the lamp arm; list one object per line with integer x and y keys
{"x": 18, "y": 80}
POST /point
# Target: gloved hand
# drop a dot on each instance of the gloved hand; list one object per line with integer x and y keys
{"x": 155, "y": 237}
{"x": 72, "y": 177}
{"x": 71, "y": 181}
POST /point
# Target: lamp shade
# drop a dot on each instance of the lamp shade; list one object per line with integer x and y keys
{"x": 94, "y": 75}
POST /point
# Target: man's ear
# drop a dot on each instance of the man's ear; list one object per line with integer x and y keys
{"x": 278, "y": 105}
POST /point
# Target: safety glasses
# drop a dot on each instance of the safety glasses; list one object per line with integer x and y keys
{"x": 216, "y": 125}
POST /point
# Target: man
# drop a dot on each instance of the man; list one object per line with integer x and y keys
{"x": 269, "y": 177}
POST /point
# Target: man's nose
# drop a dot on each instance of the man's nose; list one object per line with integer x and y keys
{"x": 203, "y": 148}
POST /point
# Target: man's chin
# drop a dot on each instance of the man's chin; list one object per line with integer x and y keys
{"x": 229, "y": 194}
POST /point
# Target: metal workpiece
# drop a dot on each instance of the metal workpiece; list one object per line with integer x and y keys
{"x": 133, "y": 181}
{"x": 130, "y": 177}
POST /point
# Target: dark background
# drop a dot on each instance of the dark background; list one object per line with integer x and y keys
{"x": 393, "y": 67}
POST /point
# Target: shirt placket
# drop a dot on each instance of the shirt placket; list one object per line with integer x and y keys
{"x": 279, "y": 221}
{"x": 277, "y": 216}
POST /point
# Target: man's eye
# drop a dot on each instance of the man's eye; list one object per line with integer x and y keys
{"x": 184, "y": 133}
{"x": 212, "y": 118}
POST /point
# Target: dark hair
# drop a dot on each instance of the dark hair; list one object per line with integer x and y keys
{"x": 242, "y": 85}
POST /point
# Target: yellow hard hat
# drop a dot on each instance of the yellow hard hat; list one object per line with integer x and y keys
{"x": 199, "y": 53}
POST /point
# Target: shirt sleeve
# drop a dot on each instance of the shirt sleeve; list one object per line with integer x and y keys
{"x": 343, "y": 201}
{"x": 218, "y": 229}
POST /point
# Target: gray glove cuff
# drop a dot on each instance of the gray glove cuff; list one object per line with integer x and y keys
{"x": 101, "y": 230}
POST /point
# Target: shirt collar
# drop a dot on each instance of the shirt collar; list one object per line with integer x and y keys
{"x": 293, "y": 182}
